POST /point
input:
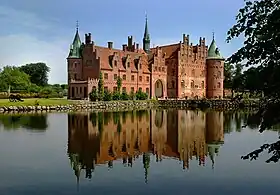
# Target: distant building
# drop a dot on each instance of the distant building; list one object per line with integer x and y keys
{"x": 175, "y": 71}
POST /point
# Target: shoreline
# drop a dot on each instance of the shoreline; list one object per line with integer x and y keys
{"x": 219, "y": 104}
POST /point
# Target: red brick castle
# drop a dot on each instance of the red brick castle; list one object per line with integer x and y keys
{"x": 171, "y": 71}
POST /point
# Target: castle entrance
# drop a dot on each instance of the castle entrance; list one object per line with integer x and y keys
{"x": 159, "y": 89}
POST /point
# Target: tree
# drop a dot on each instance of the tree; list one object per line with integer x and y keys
{"x": 238, "y": 80}
{"x": 259, "y": 22}
{"x": 228, "y": 75}
{"x": 38, "y": 73}
{"x": 119, "y": 84}
{"x": 101, "y": 86}
{"x": 13, "y": 77}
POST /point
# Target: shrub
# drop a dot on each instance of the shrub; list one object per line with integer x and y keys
{"x": 116, "y": 95}
{"x": 93, "y": 96}
{"x": 125, "y": 96}
{"x": 141, "y": 95}
{"x": 107, "y": 95}
{"x": 132, "y": 95}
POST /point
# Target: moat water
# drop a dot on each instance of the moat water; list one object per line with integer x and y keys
{"x": 140, "y": 152}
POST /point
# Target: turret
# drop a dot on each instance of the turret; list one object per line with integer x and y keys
{"x": 75, "y": 47}
{"x": 146, "y": 38}
{"x": 215, "y": 72}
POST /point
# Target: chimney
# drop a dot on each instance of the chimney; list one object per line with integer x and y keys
{"x": 88, "y": 38}
{"x": 129, "y": 41}
{"x": 110, "y": 45}
{"x": 137, "y": 46}
{"x": 124, "y": 46}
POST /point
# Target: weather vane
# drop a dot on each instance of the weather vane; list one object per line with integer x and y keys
{"x": 77, "y": 24}
{"x": 213, "y": 35}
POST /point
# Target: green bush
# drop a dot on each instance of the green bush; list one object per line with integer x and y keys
{"x": 93, "y": 96}
{"x": 141, "y": 95}
{"x": 116, "y": 95}
{"x": 125, "y": 96}
{"x": 107, "y": 95}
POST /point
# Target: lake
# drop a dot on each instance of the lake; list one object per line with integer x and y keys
{"x": 140, "y": 152}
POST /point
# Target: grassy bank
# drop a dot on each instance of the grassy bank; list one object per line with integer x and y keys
{"x": 34, "y": 101}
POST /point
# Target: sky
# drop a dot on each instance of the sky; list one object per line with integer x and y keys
{"x": 42, "y": 31}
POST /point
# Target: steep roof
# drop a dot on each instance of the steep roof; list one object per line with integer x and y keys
{"x": 213, "y": 51}
{"x": 75, "y": 46}
{"x": 106, "y": 54}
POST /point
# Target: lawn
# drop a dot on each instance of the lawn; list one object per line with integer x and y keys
{"x": 41, "y": 101}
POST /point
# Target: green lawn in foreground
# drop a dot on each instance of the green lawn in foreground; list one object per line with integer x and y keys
{"x": 41, "y": 101}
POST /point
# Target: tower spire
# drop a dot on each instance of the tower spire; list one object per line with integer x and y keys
{"x": 146, "y": 38}
{"x": 213, "y": 33}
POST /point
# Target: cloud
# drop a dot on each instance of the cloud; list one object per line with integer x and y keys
{"x": 22, "y": 42}
{"x": 21, "y": 49}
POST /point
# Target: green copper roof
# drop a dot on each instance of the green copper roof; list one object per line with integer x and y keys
{"x": 75, "y": 46}
{"x": 213, "y": 51}
{"x": 146, "y": 33}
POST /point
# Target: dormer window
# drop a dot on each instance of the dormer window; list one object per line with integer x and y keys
{"x": 140, "y": 66}
{"x": 128, "y": 64}
{"x": 115, "y": 63}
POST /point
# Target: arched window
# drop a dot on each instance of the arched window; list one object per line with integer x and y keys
{"x": 192, "y": 84}
{"x": 202, "y": 84}
{"x": 173, "y": 84}
{"x": 193, "y": 73}
{"x": 219, "y": 74}
{"x": 219, "y": 85}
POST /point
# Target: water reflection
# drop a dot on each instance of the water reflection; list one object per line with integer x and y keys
{"x": 101, "y": 138}
{"x": 31, "y": 122}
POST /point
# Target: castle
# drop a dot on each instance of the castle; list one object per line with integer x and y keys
{"x": 171, "y": 71}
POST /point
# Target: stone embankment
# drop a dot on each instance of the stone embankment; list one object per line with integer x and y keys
{"x": 221, "y": 104}
{"x": 133, "y": 105}
{"x": 112, "y": 106}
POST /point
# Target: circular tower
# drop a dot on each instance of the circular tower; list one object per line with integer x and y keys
{"x": 215, "y": 72}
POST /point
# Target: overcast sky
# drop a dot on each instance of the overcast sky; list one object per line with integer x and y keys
{"x": 35, "y": 30}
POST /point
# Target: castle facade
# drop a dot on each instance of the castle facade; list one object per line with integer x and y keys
{"x": 179, "y": 70}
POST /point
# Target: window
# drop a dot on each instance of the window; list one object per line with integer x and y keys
{"x": 106, "y": 76}
{"x": 193, "y": 73}
{"x": 132, "y": 89}
{"x": 75, "y": 76}
{"x": 115, "y": 63}
{"x": 140, "y": 78}
{"x": 202, "y": 84}
{"x": 81, "y": 89}
{"x": 124, "y": 89}
{"x": 132, "y": 77}
{"x": 140, "y": 66}
{"x": 106, "y": 88}
{"x": 155, "y": 68}
{"x": 192, "y": 84}
{"x": 159, "y": 68}
{"x": 147, "y": 90}
{"x": 173, "y": 72}
{"x": 219, "y": 85}
{"x": 124, "y": 77}
{"x": 219, "y": 74}
{"x": 128, "y": 64}
{"x": 115, "y": 76}
{"x": 163, "y": 69}
{"x": 147, "y": 79}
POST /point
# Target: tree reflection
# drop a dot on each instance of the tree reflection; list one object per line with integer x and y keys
{"x": 31, "y": 122}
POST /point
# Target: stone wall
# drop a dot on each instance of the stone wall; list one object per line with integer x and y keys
{"x": 213, "y": 104}
{"x": 112, "y": 106}
{"x": 133, "y": 105}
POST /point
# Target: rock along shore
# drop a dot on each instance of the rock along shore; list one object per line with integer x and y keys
{"x": 133, "y": 105}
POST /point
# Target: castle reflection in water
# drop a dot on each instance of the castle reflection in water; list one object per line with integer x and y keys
{"x": 100, "y": 138}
